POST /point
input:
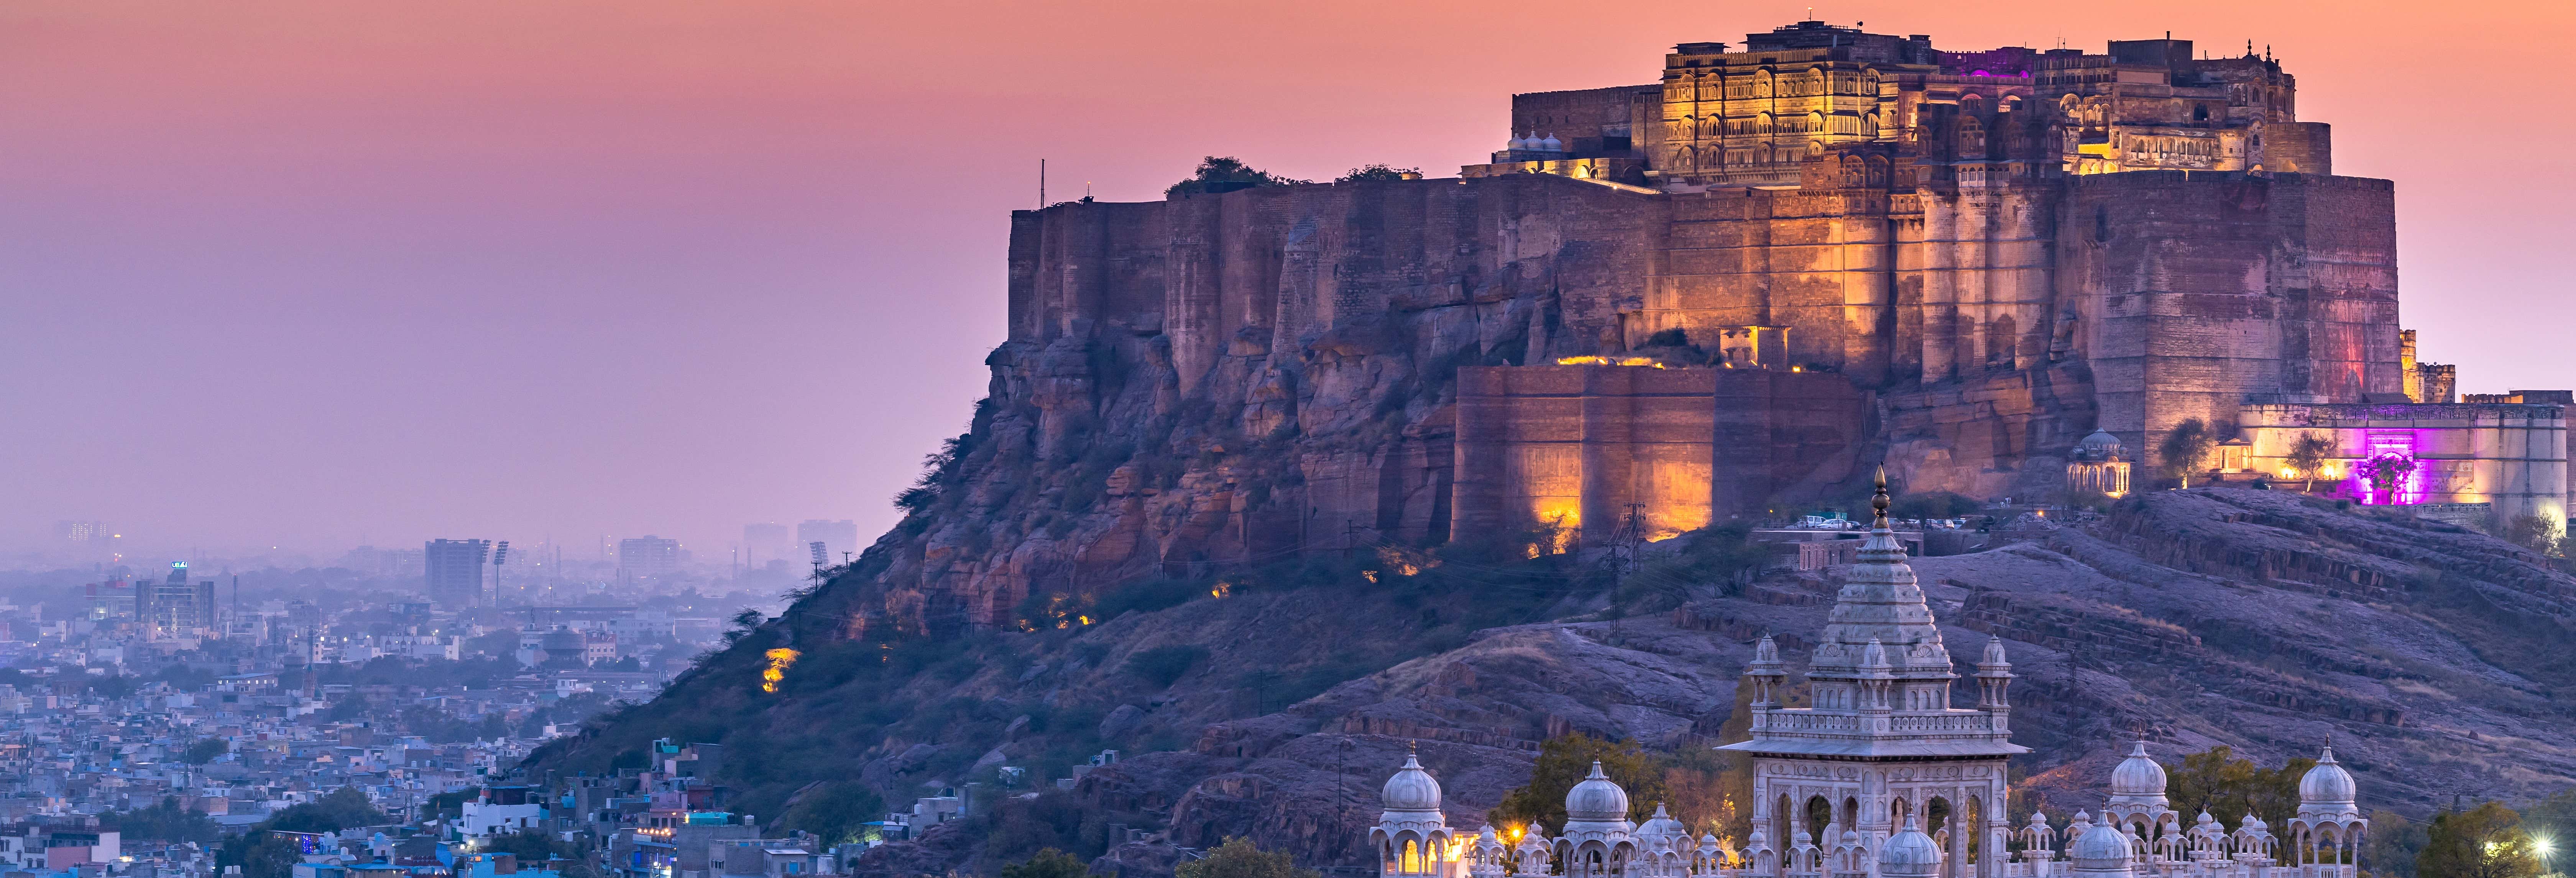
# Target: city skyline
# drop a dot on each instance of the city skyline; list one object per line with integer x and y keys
{"x": 326, "y": 275}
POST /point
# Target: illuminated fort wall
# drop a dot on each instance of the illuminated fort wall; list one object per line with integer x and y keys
{"x": 2511, "y": 455}
{"x": 1960, "y": 260}
{"x": 1574, "y": 446}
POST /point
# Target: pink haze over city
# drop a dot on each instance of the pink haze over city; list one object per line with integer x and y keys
{"x": 306, "y": 274}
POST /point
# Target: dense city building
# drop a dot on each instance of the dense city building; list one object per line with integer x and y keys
{"x": 648, "y": 555}
{"x": 455, "y": 571}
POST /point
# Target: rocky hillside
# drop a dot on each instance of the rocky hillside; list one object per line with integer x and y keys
{"x": 1270, "y": 703}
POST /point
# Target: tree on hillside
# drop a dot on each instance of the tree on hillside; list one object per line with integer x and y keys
{"x": 2487, "y": 841}
{"x": 2228, "y": 787}
{"x": 1374, "y": 172}
{"x": 1566, "y": 760}
{"x": 1165, "y": 665}
{"x": 835, "y": 812}
{"x": 2187, "y": 448}
{"x": 1048, "y": 863}
{"x": 1710, "y": 790}
{"x": 1933, "y": 504}
{"x": 1239, "y": 858}
{"x": 2390, "y": 849}
{"x": 1226, "y": 174}
{"x": 2553, "y": 817}
{"x": 166, "y": 821}
{"x": 343, "y": 808}
{"x": 205, "y": 751}
{"x": 2308, "y": 454}
{"x": 2537, "y": 532}
{"x": 262, "y": 855}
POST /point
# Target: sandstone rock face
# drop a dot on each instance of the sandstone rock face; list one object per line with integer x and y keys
{"x": 1221, "y": 378}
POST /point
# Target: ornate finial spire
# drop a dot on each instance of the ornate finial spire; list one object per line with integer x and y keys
{"x": 1878, "y": 501}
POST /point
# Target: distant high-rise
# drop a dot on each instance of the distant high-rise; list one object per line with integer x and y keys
{"x": 765, "y": 542}
{"x": 648, "y": 555}
{"x": 372, "y": 561}
{"x": 81, "y": 531}
{"x": 455, "y": 571}
{"x": 837, "y": 537}
{"x": 175, "y": 604}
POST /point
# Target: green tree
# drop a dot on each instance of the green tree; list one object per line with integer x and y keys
{"x": 835, "y": 811}
{"x": 2390, "y": 849}
{"x": 1225, "y": 174}
{"x": 2537, "y": 532}
{"x": 1165, "y": 665}
{"x": 1566, "y": 760}
{"x": 2487, "y": 841}
{"x": 2187, "y": 447}
{"x": 2229, "y": 787}
{"x": 1933, "y": 504}
{"x": 343, "y": 808}
{"x": 260, "y": 855}
{"x": 1048, "y": 863}
{"x": 2308, "y": 454}
{"x": 452, "y": 804}
{"x": 1239, "y": 858}
{"x": 205, "y": 751}
{"x": 1373, "y": 172}
{"x": 2553, "y": 817}
{"x": 530, "y": 845}
{"x": 166, "y": 821}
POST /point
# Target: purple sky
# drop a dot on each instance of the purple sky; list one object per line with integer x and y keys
{"x": 300, "y": 273}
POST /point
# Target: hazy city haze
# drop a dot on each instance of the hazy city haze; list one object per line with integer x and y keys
{"x": 309, "y": 273}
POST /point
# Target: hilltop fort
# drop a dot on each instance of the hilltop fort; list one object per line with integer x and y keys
{"x": 1277, "y": 483}
{"x": 1838, "y": 245}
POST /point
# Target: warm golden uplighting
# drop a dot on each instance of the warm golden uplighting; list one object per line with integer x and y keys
{"x": 1403, "y": 562}
{"x": 1609, "y": 361}
{"x": 1222, "y": 589}
{"x": 1370, "y": 575}
{"x": 779, "y": 659}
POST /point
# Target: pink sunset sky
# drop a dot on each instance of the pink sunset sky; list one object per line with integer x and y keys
{"x": 306, "y": 273}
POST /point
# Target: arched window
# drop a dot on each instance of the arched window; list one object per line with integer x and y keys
{"x": 1971, "y": 140}
{"x": 1761, "y": 83}
{"x": 1412, "y": 859}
